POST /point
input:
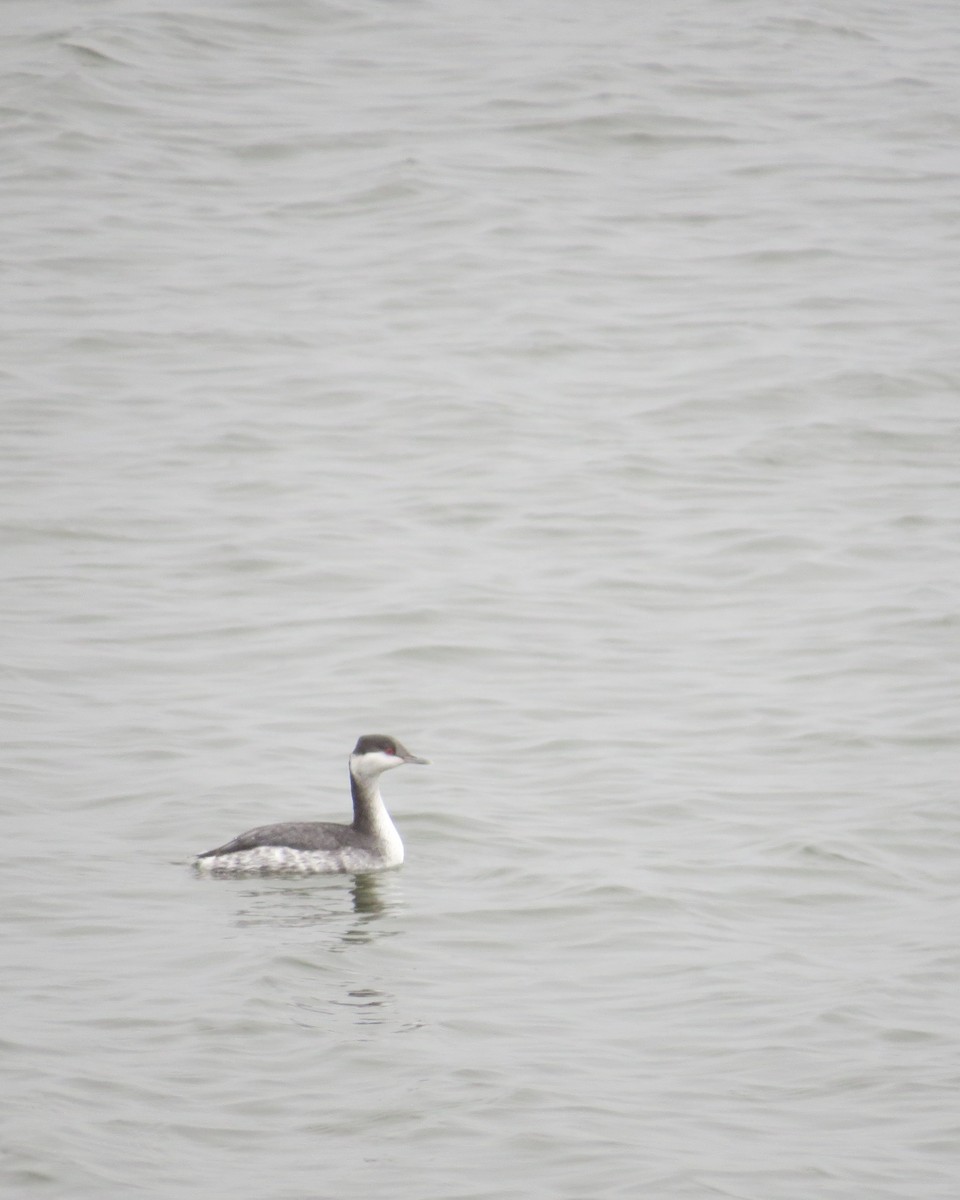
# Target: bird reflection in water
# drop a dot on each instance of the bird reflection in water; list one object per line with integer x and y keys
{"x": 324, "y": 904}
{"x": 328, "y": 919}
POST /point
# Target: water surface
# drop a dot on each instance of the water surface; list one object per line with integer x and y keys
{"x": 572, "y": 394}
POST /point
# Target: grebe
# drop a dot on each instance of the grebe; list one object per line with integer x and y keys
{"x": 370, "y": 843}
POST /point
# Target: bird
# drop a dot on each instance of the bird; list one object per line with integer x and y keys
{"x": 369, "y": 843}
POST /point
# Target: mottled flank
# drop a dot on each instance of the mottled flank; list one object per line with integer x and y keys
{"x": 282, "y": 860}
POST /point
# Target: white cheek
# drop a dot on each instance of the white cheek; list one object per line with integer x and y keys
{"x": 368, "y": 765}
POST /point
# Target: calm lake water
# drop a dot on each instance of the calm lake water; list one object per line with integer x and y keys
{"x": 572, "y": 392}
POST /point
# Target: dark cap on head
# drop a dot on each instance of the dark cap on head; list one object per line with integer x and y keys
{"x": 373, "y": 743}
{"x": 376, "y": 741}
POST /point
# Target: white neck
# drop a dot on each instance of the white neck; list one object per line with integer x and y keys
{"x": 370, "y": 815}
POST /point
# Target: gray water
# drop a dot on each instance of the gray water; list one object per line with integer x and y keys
{"x": 572, "y": 392}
